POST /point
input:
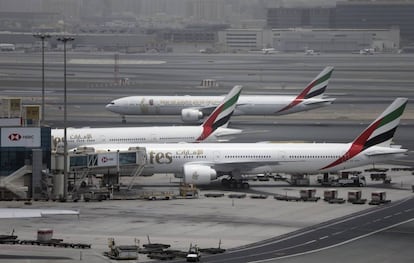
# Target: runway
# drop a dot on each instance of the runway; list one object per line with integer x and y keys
{"x": 323, "y": 236}
{"x": 363, "y": 86}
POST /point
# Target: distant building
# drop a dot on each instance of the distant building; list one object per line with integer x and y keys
{"x": 301, "y": 39}
{"x": 377, "y": 14}
{"x": 349, "y": 14}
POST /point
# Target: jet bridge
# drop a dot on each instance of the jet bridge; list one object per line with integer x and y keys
{"x": 85, "y": 161}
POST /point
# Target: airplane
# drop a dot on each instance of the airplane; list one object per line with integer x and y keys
{"x": 367, "y": 51}
{"x": 28, "y": 213}
{"x": 214, "y": 128}
{"x": 204, "y": 163}
{"x": 268, "y": 51}
{"x": 194, "y": 108}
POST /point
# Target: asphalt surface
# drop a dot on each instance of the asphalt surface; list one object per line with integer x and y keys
{"x": 363, "y": 86}
{"x": 323, "y": 236}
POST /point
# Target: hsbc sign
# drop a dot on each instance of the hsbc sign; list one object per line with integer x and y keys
{"x": 15, "y": 137}
{"x": 107, "y": 159}
{"x": 20, "y": 137}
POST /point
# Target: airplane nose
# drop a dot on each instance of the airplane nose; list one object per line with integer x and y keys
{"x": 110, "y": 106}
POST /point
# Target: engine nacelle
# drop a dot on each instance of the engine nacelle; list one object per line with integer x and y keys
{"x": 191, "y": 115}
{"x": 198, "y": 174}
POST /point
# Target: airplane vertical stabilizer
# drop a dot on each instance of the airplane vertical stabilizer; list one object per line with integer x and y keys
{"x": 220, "y": 117}
{"x": 315, "y": 89}
{"x": 379, "y": 133}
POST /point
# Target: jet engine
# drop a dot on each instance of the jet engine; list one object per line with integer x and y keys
{"x": 199, "y": 174}
{"x": 191, "y": 115}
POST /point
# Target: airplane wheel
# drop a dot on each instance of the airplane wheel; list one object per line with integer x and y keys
{"x": 233, "y": 183}
{"x": 245, "y": 185}
{"x": 225, "y": 182}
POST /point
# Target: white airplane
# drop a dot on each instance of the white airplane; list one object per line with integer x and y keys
{"x": 202, "y": 163}
{"x": 214, "y": 129}
{"x": 193, "y": 108}
{"x": 28, "y": 213}
{"x": 267, "y": 51}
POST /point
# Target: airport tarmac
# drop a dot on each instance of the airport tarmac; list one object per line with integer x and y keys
{"x": 363, "y": 85}
{"x": 179, "y": 222}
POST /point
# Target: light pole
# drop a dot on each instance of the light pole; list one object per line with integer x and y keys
{"x": 43, "y": 36}
{"x": 65, "y": 39}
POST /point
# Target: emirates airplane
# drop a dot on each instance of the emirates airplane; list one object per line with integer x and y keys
{"x": 194, "y": 108}
{"x": 202, "y": 163}
{"x": 213, "y": 129}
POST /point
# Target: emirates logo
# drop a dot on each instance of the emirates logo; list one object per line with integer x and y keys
{"x": 14, "y": 137}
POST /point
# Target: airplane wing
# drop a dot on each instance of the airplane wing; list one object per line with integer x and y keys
{"x": 319, "y": 101}
{"x": 29, "y": 213}
{"x": 385, "y": 151}
{"x": 245, "y": 165}
{"x": 207, "y": 110}
{"x": 224, "y": 132}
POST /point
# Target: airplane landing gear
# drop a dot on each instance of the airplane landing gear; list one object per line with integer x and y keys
{"x": 123, "y": 119}
{"x": 232, "y": 183}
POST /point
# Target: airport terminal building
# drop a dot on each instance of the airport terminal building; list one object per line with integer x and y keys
{"x": 25, "y": 150}
{"x": 349, "y": 14}
{"x": 301, "y": 39}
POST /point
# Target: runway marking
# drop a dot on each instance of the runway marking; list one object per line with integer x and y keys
{"x": 377, "y": 220}
{"x": 335, "y": 245}
{"x": 399, "y": 213}
{"x": 355, "y": 227}
{"x": 278, "y": 252}
{"x": 324, "y": 237}
{"x": 323, "y": 226}
{"x": 111, "y": 61}
{"x": 337, "y": 233}
{"x": 408, "y": 210}
{"x": 386, "y": 217}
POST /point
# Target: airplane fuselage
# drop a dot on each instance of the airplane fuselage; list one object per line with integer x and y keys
{"x": 246, "y": 105}
{"x": 135, "y": 135}
{"x": 255, "y": 158}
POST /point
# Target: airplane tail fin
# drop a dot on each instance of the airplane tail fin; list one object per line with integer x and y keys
{"x": 381, "y": 131}
{"x": 220, "y": 117}
{"x": 315, "y": 89}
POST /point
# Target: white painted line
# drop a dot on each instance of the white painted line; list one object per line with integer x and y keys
{"x": 112, "y": 61}
{"x": 397, "y": 214}
{"x": 337, "y": 233}
{"x": 324, "y": 226}
{"x": 336, "y": 245}
{"x": 324, "y": 237}
{"x": 386, "y": 217}
{"x": 310, "y": 242}
{"x": 377, "y": 220}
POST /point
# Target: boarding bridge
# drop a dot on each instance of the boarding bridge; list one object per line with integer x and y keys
{"x": 86, "y": 160}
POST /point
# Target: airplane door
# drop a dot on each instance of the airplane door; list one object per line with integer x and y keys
{"x": 154, "y": 137}
{"x": 216, "y": 156}
{"x": 283, "y": 156}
